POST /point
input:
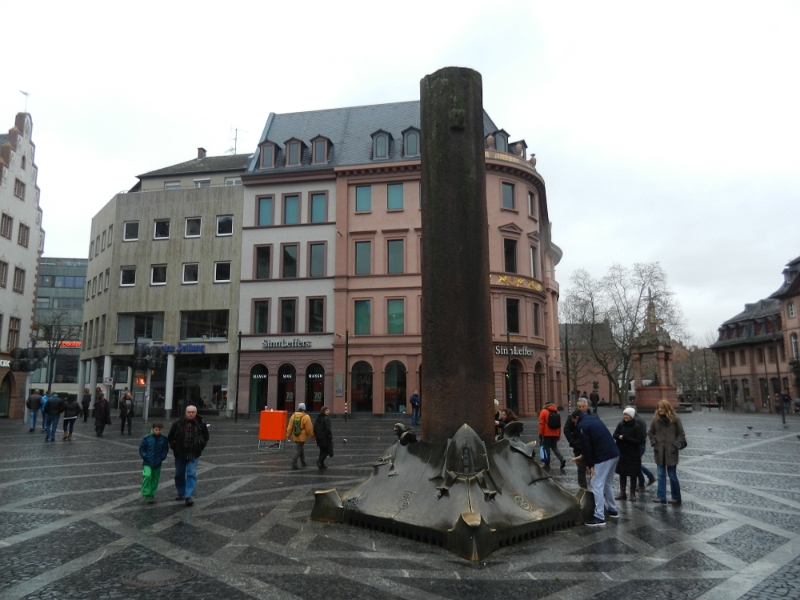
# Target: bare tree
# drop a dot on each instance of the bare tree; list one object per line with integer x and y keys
{"x": 54, "y": 328}
{"x": 619, "y": 299}
{"x": 697, "y": 373}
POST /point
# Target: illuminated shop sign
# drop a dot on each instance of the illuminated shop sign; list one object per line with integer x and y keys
{"x": 179, "y": 349}
{"x": 513, "y": 351}
{"x": 287, "y": 376}
{"x": 6, "y": 364}
{"x": 294, "y": 344}
{"x": 70, "y": 344}
{"x": 316, "y": 376}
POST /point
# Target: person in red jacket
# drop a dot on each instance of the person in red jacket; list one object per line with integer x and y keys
{"x": 550, "y": 433}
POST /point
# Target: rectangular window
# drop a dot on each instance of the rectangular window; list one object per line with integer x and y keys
{"x": 508, "y": 195}
{"x": 316, "y": 315}
{"x": 288, "y": 314}
{"x": 42, "y": 303}
{"x": 193, "y": 227}
{"x": 531, "y": 204}
{"x": 14, "y": 327}
{"x": 267, "y": 154}
{"x": 225, "y": 225}
{"x": 130, "y": 231}
{"x": 722, "y": 360}
{"x": 732, "y": 358}
{"x": 261, "y": 316}
{"x": 790, "y": 309}
{"x": 363, "y": 258}
{"x": 363, "y": 198}
{"x": 91, "y": 249}
{"x": 760, "y": 356}
{"x": 534, "y": 262}
{"x": 510, "y": 255}
{"x": 103, "y": 242}
{"x": 108, "y": 279}
{"x": 94, "y": 287}
{"x": 191, "y": 272}
{"x": 319, "y": 151}
{"x": 264, "y": 211}
{"x": 395, "y": 312}
{"x": 145, "y": 326}
{"x": 512, "y": 315}
{"x": 161, "y": 229}
{"x": 110, "y": 234}
{"x": 103, "y": 330}
{"x": 204, "y": 324}
{"x": 19, "y": 280}
{"x": 97, "y": 246}
{"x": 316, "y": 260}
{"x": 19, "y": 189}
{"x": 88, "y": 290}
{"x": 362, "y": 317}
{"x": 222, "y": 272}
{"x": 395, "y": 254}
{"x": 202, "y": 183}
{"x": 293, "y": 154}
{"x": 536, "y": 318}
{"x": 23, "y": 235}
{"x": 127, "y": 276}
{"x": 291, "y": 210}
{"x": 289, "y": 262}
{"x": 319, "y": 208}
{"x": 7, "y": 225}
{"x": 158, "y": 275}
{"x": 394, "y": 196}
{"x": 263, "y": 254}
{"x": 172, "y": 185}
{"x": 233, "y": 180}
{"x": 3, "y": 273}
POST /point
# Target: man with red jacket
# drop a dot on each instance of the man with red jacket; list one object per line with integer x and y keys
{"x": 550, "y": 433}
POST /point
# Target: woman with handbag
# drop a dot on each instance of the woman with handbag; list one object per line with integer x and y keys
{"x": 667, "y": 438}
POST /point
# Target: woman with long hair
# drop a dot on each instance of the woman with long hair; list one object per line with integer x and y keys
{"x": 667, "y": 438}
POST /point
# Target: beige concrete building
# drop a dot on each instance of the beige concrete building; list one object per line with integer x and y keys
{"x": 21, "y": 244}
{"x": 164, "y": 264}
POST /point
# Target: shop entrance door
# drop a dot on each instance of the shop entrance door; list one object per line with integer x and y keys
{"x": 286, "y": 387}
{"x": 5, "y": 395}
{"x": 315, "y": 387}
{"x": 512, "y": 386}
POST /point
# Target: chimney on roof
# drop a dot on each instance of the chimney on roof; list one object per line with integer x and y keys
{"x": 201, "y": 153}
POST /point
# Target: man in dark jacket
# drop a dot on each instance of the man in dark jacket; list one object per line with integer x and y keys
{"x": 52, "y": 412}
{"x": 601, "y": 455}
{"x": 594, "y": 398}
{"x": 102, "y": 414}
{"x": 645, "y": 471}
{"x": 571, "y": 434}
{"x": 85, "y": 402}
{"x": 34, "y": 405}
{"x": 187, "y": 438}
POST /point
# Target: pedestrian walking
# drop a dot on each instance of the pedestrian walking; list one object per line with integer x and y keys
{"x": 594, "y": 399}
{"x": 53, "y": 410}
{"x": 550, "y": 433}
{"x": 601, "y": 456}
{"x": 188, "y": 436}
{"x": 154, "y": 450}
{"x": 126, "y": 413}
{"x": 667, "y": 438}
{"x": 44, "y": 415}
{"x": 71, "y": 411}
{"x": 645, "y": 472}
{"x": 34, "y": 405}
{"x": 299, "y": 430}
{"x": 416, "y": 404}
{"x": 629, "y": 438}
{"x": 324, "y": 436}
{"x": 85, "y": 402}
{"x": 102, "y": 414}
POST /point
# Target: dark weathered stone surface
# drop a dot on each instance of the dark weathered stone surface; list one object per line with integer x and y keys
{"x": 456, "y": 314}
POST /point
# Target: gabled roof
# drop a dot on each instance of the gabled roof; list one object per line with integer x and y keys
{"x": 210, "y": 164}
{"x": 757, "y": 310}
{"x": 349, "y": 130}
{"x": 791, "y": 280}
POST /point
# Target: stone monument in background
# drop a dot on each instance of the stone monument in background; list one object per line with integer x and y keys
{"x": 654, "y": 341}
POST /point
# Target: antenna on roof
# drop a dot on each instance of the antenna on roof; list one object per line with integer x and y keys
{"x": 26, "y": 94}
{"x": 236, "y": 131}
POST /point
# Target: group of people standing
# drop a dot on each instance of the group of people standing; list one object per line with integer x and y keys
{"x": 52, "y": 408}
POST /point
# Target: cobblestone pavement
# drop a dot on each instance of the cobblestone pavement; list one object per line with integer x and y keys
{"x": 72, "y": 524}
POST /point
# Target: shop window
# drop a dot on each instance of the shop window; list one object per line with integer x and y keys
{"x": 315, "y": 386}
{"x": 287, "y": 376}
{"x": 316, "y": 315}
{"x": 158, "y": 275}
{"x": 289, "y": 261}
{"x": 508, "y": 195}
{"x": 394, "y": 196}
{"x": 224, "y": 225}
{"x": 263, "y": 254}
{"x": 395, "y": 255}
{"x": 288, "y": 315}
{"x": 510, "y": 255}
{"x": 361, "y": 387}
{"x": 264, "y": 211}
{"x": 193, "y": 227}
{"x": 259, "y": 380}
{"x": 363, "y": 198}
{"x": 191, "y": 272}
{"x": 316, "y": 260}
{"x": 130, "y": 231}
{"x": 363, "y": 258}
{"x": 291, "y": 210}
{"x": 261, "y": 316}
{"x": 395, "y": 311}
{"x": 204, "y": 324}
{"x": 362, "y": 317}
{"x": 318, "y": 208}
{"x": 222, "y": 271}
{"x": 512, "y": 315}
{"x": 161, "y": 229}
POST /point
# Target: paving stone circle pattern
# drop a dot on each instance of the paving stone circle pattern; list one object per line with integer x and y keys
{"x": 73, "y": 524}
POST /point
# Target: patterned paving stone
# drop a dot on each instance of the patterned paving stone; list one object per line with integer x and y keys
{"x": 607, "y": 547}
{"x": 280, "y": 534}
{"x": 668, "y": 589}
{"x": 258, "y": 556}
{"x": 748, "y": 543}
{"x": 192, "y": 538}
{"x": 240, "y": 520}
{"x": 693, "y": 561}
{"x": 724, "y": 495}
{"x": 654, "y": 537}
{"x": 14, "y": 523}
{"x": 786, "y": 521}
{"x": 380, "y": 563}
{"x": 331, "y": 587}
{"x": 83, "y": 501}
{"x": 783, "y": 584}
{"x": 583, "y": 566}
{"x": 487, "y": 590}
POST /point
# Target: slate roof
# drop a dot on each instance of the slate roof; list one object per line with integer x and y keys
{"x": 769, "y": 308}
{"x": 349, "y": 130}
{"x": 231, "y": 162}
{"x": 791, "y": 280}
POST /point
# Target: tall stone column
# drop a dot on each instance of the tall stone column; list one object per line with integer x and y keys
{"x": 93, "y": 378}
{"x": 81, "y": 379}
{"x": 107, "y": 373}
{"x": 456, "y": 309}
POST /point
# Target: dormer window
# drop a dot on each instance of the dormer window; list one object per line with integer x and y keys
{"x": 292, "y": 154}
{"x": 501, "y": 141}
{"x": 319, "y": 150}
{"x": 267, "y": 156}
{"x": 411, "y": 142}
{"x": 380, "y": 145}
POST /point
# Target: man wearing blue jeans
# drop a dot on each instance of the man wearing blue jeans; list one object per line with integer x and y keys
{"x": 34, "y": 405}
{"x": 601, "y": 455}
{"x": 52, "y": 411}
{"x": 187, "y": 438}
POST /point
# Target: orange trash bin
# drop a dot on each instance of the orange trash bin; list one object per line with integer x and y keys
{"x": 272, "y": 428}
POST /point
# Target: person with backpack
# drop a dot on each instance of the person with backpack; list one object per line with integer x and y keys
{"x": 324, "y": 435}
{"x": 550, "y": 433}
{"x": 299, "y": 430}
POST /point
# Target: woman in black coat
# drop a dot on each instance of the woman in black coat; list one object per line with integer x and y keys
{"x": 324, "y": 436}
{"x": 629, "y": 437}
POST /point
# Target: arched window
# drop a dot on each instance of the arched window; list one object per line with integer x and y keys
{"x": 411, "y": 143}
{"x": 380, "y": 145}
{"x": 501, "y": 142}
{"x": 259, "y": 381}
{"x": 286, "y": 387}
{"x": 394, "y": 391}
{"x": 315, "y": 387}
{"x": 361, "y": 388}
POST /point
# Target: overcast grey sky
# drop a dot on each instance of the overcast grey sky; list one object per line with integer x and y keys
{"x": 664, "y": 131}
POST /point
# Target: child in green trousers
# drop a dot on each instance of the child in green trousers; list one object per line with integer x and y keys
{"x": 153, "y": 450}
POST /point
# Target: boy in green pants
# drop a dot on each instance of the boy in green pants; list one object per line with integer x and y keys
{"x": 153, "y": 450}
